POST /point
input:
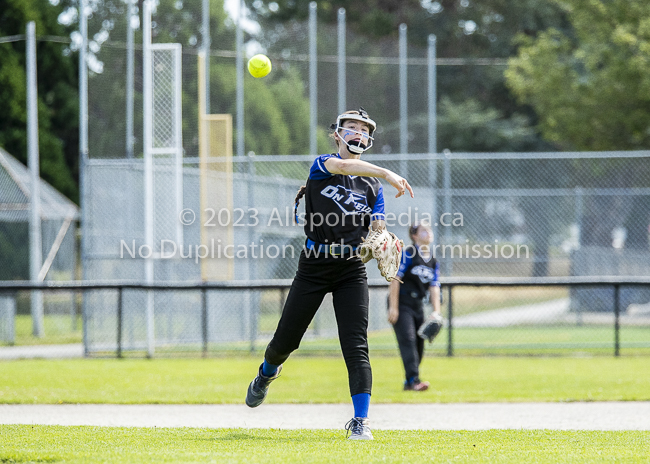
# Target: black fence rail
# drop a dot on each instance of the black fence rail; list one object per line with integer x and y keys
{"x": 118, "y": 310}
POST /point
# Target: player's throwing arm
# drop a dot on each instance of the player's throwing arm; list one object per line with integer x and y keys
{"x": 356, "y": 167}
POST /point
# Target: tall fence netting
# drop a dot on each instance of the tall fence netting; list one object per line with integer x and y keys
{"x": 493, "y": 214}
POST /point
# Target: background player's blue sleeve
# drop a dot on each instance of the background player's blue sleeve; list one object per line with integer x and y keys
{"x": 407, "y": 260}
{"x": 435, "y": 282}
{"x": 318, "y": 170}
{"x": 378, "y": 212}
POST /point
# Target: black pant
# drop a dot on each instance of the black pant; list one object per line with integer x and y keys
{"x": 411, "y": 347}
{"x": 347, "y": 281}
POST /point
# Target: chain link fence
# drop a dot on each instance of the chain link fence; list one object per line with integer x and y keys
{"x": 494, "y": 214}
{"x": 487, "y": 223}
{"x": 57, "y": 313}
{"x": 483, "y": 316}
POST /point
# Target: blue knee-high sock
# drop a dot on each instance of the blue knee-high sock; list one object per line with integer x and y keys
{"x": 361, "y": 402}
{"x": 269, "y": 369}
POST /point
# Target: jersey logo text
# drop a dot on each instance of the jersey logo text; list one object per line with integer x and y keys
{"x": 425, "y": 273}
{"x": 348, "y": 201}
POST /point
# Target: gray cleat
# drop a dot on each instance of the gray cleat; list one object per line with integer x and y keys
{"x": 259, "y": 387}
{"x": 358, "y": 429}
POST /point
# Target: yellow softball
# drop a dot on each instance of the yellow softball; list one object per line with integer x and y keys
{"x": 259, "y": 66}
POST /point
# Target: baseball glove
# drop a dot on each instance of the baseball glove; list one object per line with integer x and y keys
{"x": 431, "y": 327}
{"x": 386, "y": 248}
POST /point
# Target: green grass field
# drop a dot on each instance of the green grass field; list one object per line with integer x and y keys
{"x": 24, "y": 443}
{"x": 320, "y": 380}
{"x": 308, "y": 379}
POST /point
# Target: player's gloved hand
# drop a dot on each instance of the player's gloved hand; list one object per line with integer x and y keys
{"x": 431, "y": 327}
{"x": 386, "y": 248}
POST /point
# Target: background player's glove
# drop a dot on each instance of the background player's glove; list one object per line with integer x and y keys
{"x": 431, "y": 327}
{"x": 386, "y": 248}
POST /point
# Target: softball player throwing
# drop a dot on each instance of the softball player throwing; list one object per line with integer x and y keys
{"x": 343, "y": 197}
{"x": 420, "y": 273}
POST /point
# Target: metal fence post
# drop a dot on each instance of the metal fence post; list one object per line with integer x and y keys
{"x": 35, "y": 237}
{"x": 83, "y": 162}
{"x": 253, "y": 326}
{"x": 403, "y": 96}
{"x": 431, "y": 84}
{"x": 73, "y": 312}
{"x": 130, "y": 58}
{"x": 432, "y": 130}
{"x": 147, "y": 145}
{"x": 204, "y": 321}
{"x": 253, "y": 296}
{"x": 205, "y": 34}
{"x": 239, "y": 65}
{"x": 447, "y": 261}
{"x": 617, "y": 341}
{"x": 84, "y": 323}
{"x": 120, "y": 312}
{"x": 313, "y": 77}
{"x": 450, "y": 316}
{"x": 341, "y": 56}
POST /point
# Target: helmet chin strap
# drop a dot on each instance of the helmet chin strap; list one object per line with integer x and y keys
{"x": 356, "y": 147}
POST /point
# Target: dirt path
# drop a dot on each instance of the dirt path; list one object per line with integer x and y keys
{"x": 459, "y": 416}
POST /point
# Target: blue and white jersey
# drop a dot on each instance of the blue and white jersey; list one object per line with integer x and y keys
{"x": 417, "y": 273}
{"x": 339, "y": 208}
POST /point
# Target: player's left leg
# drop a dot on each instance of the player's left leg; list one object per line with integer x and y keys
{"x": 350, "y": 299}
{"x": 409, "y": 346}
{"x": 305, "y": 296}
{"x": 419, "y": 345}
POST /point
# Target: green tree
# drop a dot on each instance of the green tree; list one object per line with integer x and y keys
{"x": 590, "y": 87}
{"x": 476, "y": 111}
{"x": 57, "y": 113}
{"x": 57, "y": 93}
{"x": 276, "y": 108}
{"x": 464, "y": 29}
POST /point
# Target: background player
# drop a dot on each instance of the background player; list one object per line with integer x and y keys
{"x": 343, "y": 197}
{"x": 420, "y": 273}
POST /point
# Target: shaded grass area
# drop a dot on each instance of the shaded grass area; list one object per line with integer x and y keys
{"x": 531, "y": 340}
{"x": 323, "y": 380}
{"x": 567, "y": 340}
{"x": 24, "y": 443}
{"x": 58, "y": 329}
{"x": 469, "y": 300}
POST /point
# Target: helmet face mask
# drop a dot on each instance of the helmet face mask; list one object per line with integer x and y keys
{"x": 356, "y": 146}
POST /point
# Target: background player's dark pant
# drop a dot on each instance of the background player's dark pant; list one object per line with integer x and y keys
{"x": 347, "y": 281}
{"x": 411, "y": 347}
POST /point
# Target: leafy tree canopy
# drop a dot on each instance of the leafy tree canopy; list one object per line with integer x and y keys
{"x": 464, "y": 29}
{"x": 57, "y": 93}
{"x": 276, "y": 107}
{"x": 590, "y": 86}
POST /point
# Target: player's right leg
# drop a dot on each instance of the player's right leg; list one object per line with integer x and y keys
{"x": 259, "y": 387}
